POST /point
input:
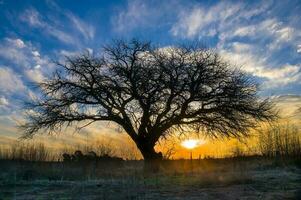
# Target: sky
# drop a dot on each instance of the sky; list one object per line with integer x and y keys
{"x": 261, "y": 37}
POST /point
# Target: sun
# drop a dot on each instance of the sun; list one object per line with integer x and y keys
{"x": 192, "y": 143}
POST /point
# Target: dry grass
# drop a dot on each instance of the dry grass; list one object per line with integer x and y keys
{"x": 280, "y": 140}
{"x": 182, "y": 179}
{"x": 28, "y": 151}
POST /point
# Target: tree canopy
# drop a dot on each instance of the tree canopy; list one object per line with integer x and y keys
{"x": 150, "y": 92}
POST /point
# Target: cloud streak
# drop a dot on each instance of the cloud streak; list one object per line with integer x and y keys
{"x": 136, "y": 14}
{"x": 242, "y": 55}
{"x": 33, "y": 18}
{"x": 87, "y": 30}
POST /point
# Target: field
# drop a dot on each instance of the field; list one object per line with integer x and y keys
{"x": 235, "y": 178}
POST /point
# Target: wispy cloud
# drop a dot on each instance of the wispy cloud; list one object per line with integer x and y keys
{"x": 35, "y": 75}
{"x": 16, "y": 42}
{"x": 66, "y": 29}
{"x": 227, "y": 21}
{"x": 87, "y": 30}
{"x": 271, "y": 31}
{"x": 136, "y": 14}
{"x": 21, "y": 60}
{"x": 13, "y": 50}
{"x": 33, "y": 18}
{"x": 242, "y": 55}
{"x": 199, "y": 20}
{"x": 25, "y": 58}
{"x": 139, "y": 15}
{"x": 9, "y": 81}
{"x": 251, "y": 45}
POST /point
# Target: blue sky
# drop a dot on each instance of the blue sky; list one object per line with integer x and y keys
{"x": 262, "y": 37}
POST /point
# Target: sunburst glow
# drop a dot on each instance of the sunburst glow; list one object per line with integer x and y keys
{"x": 192, "y": 143}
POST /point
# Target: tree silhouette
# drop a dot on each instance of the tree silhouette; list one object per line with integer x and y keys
{"x": 150, "y": 92}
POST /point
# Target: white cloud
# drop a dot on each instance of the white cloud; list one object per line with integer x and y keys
{"x": 35, "y": 75}
{"x": 281, "y": 34}
{"x": 190, "y": 25}
{"x": 198, "y": 20}
{"x": 86, "y": 30}
{"x": 136, "y": 14}
{"x": 26, "y": 60}
{"x": 66, "y": 53}
{"x": 269, "y": 26}
{"x": 270, "y": 32}
{"x": 241, "y": 47}
{"x": 228, "y": 20}
{"x": 248, "y": 62}
{"x": 16, "y": 51}
{"x": 35, "y": 53}
{"x": 224, "y": 17}
{"x": 3, "y": 101}
{"x": 89, "y": 50}
{"x": 60, "y": 35}
{"x": 241, "y": 55}
{"x": 285, "y": 33}
{"x": 37, "y": 66}
{"x": 16, "y": 42}
{"x": 281, "y": 76}
{"x": 285, "y": 72}
{"x": 245, "y": 31}
{"x": 10, "y": 81}
{"x": 10, "y": 51}
{"x": 34, "y": 19}
{"x": 70, "y": 32}
{"x": 62, "y": 54}
{"x": 299, "y": 48}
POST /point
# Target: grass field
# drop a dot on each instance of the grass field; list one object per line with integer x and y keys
{"x": 245, "y": 178}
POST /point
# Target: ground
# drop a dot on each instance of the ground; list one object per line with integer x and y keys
{"x": 204, "y": 179}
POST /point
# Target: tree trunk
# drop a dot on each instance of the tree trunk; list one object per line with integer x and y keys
{"x": 148, "y": 152}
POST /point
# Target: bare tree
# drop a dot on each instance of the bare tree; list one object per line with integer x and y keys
{"x": 150, "y": 92}
{"x": 169, "y": 151}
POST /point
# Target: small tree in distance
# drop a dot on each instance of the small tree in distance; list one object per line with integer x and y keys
{"x": 150, "y": 92}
